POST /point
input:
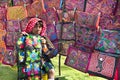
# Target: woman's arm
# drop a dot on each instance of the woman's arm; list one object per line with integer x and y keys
{"x": 49, "y": 48}
{"x": 44, "y": 45}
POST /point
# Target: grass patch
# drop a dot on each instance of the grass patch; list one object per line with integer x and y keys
{"x": 7, "y": 73}
{"x": 67, "y": 73}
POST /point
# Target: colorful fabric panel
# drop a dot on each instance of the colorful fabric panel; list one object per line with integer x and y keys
{"x": 102, "y": 65}
{"x": 77, "y": 59}
{"x": 109, "y": 41}
{"x": 86, "y": 36}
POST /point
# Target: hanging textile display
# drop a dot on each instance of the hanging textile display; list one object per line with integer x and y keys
{"x": 51, "y": 15}
{"x": 86, "y": 36}
{"x": 77, "y": 59}
{"x": 66, "y": 31}
{"x": 2, "y": 44}
{"x": 3, "y": 10}
{"x": 52, "y": 3}
{"x": 102, "y": 65}
{"x": 106, "y": 8}
{"x": 66, "y": 16}
{"x": 9, "y": 57}
{"x": 90, "y": 20}
{"x": 11, "y": 38}
{"x": 35, "y": 9}
{"x": 51, "y": 32}
{"x": 2, "y": 25}
{"x": 71, "y": 4}
{"x": 65, "y": 46}
{"x": 109, "y": 41}
{"x": 16, "y": 13}
{"x": 21, "y": 2}
{"x": 13, "y": 26}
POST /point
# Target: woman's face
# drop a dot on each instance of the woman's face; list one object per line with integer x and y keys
{"x": 37, "y": 29}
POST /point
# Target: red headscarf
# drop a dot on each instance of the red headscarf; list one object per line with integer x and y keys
{"x": 31, "y": 24}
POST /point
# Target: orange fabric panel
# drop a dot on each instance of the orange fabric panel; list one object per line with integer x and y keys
{"x": 16, "y": 12}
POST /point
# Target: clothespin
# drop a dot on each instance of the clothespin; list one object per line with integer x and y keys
{"x": 19, "y": 22}
{"x": 61, "y": 4}
{"x": 54, "y": 23}
{"x": 75, "y": 9}
{"x": 74, "y": 14}
{"x": 36, "y": 15}
{"x": 25, "y": 4}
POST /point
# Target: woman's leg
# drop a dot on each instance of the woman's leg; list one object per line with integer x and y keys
{"x": 49, "y": 68}
{"x": 51, "y": 74}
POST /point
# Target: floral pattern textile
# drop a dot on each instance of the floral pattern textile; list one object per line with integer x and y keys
{"x": 31, "y": 47}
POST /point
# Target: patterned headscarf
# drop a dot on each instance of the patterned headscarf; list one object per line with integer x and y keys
{"x": 31, "y": 24}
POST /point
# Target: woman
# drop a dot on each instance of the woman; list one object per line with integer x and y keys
{"x": 36, "y": 49}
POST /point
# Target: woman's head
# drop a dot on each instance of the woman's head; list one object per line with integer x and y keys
{"x": 36, "y": 26}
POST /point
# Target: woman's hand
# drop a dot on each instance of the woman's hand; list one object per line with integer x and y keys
{"x": 44, "y": 45}
{"x": 24, "y": 33}
{"x": 43, "y": 40}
